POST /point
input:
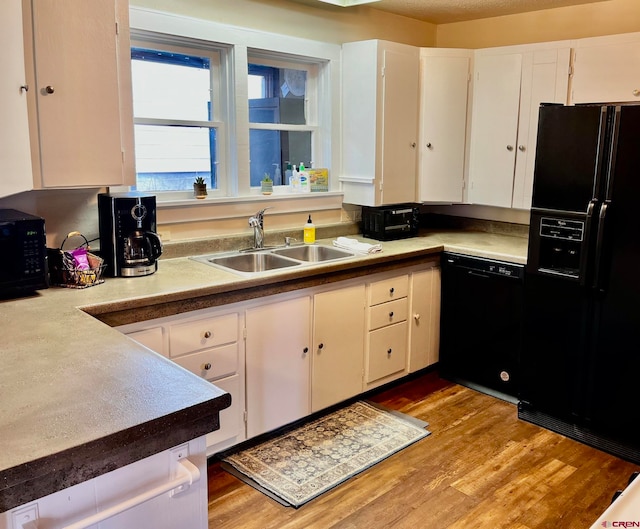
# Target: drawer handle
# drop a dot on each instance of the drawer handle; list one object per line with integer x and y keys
{"x": 392, "y": 290}
{"x": 389, "y": 351}
{"x": 391, "y": 314}
{"x": 208, "y": 334}
{"x": 206, "y": 366}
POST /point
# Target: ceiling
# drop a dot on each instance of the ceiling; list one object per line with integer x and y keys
{"x": 446, "y": 11}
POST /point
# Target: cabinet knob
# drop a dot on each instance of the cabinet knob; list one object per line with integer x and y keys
{"x": 208, "y": 334}
{"x": 429, "y": 145}
{"x": 321, "y": 346}
{"x": 522, "y": 148}
{"x": 391, "y": 314}
{"x": 389, "y": 351}
{"x": 24, "y": 88}
{"x": 416, "y": 316}
{"x": 413, "y": 144}
{"x": 207, "y": 366}
{"x": 49, "y": 89}
{"x": 509, "y": 147}
{"x": 636, "y": 92}
{"x": 392, "y": 290}
{"x": 305, "y": 350}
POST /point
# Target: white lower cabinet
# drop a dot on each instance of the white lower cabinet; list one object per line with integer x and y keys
{"x": 278, "y": 363}
{"x": 338, "y": 345}
{"x": 153, "y": 493}
{"x": 286, "y": 356}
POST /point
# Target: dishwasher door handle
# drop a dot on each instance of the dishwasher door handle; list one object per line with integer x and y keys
{"x": 478, "y": 274}
{"x": 188, "y": 474}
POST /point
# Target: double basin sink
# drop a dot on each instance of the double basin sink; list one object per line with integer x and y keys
{"x": 272, "y": 259}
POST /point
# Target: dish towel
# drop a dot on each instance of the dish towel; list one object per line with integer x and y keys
{"x": 356, "y": 246}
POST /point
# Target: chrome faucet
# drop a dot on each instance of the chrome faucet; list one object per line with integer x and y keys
{"x": 257, "y": 223}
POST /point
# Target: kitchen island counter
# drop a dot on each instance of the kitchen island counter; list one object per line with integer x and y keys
{"x": 81, "y": 399}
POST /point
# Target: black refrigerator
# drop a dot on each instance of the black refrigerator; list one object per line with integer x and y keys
{"x": 580, "y": 359}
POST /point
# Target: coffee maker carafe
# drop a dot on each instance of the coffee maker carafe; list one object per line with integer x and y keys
{"x": 129, "y": 243}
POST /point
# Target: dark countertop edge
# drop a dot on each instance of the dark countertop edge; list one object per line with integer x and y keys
{"x": 122, "y": 313}
{"x": 30, "y": 481}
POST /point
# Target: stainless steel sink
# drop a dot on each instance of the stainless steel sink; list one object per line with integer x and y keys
{"x": 313, "y": 253}
{"x": 271, "y": 260}
{"x": 250, "y": 262}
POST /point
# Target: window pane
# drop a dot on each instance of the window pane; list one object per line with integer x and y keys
{"x": 170, "y": 85}
{"x": 270, "y": 150}
{"x": 277, "y": 95}
{"x": 170, "y": 158}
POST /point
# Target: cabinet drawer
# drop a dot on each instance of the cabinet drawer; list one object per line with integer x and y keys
{"x": 212, "y": 363}
{"x": 388, "y": 289}
{"x": 201, "y": 334}
{"x": 387, "y": 351}
{"x": 388, "y": 313}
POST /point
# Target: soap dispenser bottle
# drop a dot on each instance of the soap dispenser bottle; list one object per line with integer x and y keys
{"x": 309, "y": 233}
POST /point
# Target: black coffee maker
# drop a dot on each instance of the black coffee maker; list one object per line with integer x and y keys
{"x": 129, "y": 243}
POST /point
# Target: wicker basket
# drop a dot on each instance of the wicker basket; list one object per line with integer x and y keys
{"x": 63, "y": 269}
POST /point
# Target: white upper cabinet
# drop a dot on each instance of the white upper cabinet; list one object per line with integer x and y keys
{"x": 80, "y": 109}
{"x": 444, "y": 92}
{"x": 606, "y": 69}
{"x": 15, "y": 157}
{"x": 380, "y": 98}
{"x": 509, "y": 86}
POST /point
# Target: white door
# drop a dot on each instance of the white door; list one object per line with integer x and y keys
{"x": 338, "y": 345}
{"x": 399, "y": 126}
{"x": 15, "y": 153}
{"x": 444, "y": 83}
{"x": 76, "y": 58}
{"x": 494, "y": 129}
{"x": 278, "y": 343}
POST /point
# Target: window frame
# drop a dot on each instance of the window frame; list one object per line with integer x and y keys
{"x": 236, "y": 43}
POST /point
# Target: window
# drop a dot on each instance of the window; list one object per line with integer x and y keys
{"x": 229, "y": 110}
{"x": 176, "y": 107}
{"x": 282, "y": 117}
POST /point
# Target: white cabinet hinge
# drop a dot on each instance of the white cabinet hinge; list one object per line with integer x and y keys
{"x": 570, "y": 70}
{"x": 244, "y": 333}
{"x": 117, "y": 28}
{"x": 244, "y": 416}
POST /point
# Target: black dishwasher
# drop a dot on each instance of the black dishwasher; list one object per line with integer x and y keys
{"x": 480, "y": 323}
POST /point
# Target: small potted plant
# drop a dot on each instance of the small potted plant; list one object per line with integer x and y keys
{"x": 200, "y": 187}
{"x": 266, "y": 185}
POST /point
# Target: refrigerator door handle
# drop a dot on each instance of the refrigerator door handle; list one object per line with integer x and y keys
{"x": 584, "y": 260}
{"x": 597, "y": 281}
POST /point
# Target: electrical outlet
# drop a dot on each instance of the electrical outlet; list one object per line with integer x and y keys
{"x": 25, "y": 517}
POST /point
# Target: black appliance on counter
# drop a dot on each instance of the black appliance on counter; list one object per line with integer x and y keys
{"x": 129, "y": 243}
{"x": 23, "y": 247}
{"x": 581, "y": 341}
{"x": 388, "y": 223}
{"x": 480, "y": 323}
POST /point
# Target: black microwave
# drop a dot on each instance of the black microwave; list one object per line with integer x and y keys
{"x": 386, "y": 223}
{"x": 23, "y": 247}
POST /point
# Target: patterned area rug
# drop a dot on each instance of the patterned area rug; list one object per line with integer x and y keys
{"x": 302, "y": 464}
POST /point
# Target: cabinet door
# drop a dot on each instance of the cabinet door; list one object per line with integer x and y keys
{"x": 399, "y": 126}
{"x": 444, "y": 87}
{"x": 496, "y": 100}
{"x": 424, "y": 319}
{"x": 338, "y": 345}
{"x": 278, "y": 341}
{"x": 606, "y": 69}
{"x": 15, "y": 154}
{"x": 231, "y": 429}
{"x": 545, "y": 79}
{"x": 76, "y": 58}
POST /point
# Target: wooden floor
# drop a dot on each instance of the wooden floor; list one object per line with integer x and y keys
{"x": 481, "y": 467}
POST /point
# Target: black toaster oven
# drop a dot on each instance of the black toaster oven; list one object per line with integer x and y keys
{"x": 387, "y": 223}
